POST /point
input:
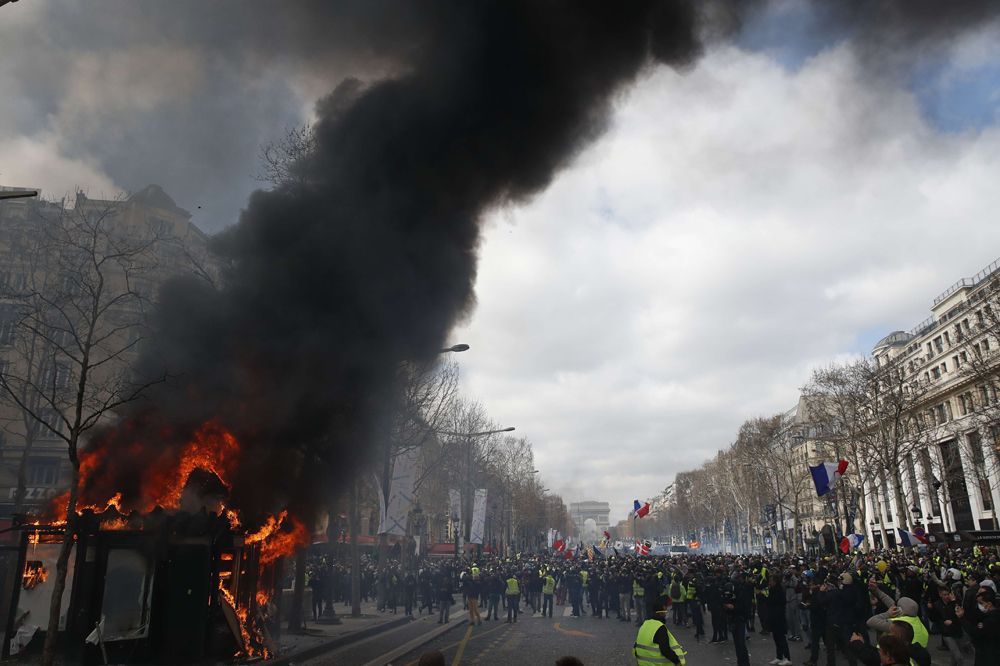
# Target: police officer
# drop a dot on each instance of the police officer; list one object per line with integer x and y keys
{"x": 654, "y": 644}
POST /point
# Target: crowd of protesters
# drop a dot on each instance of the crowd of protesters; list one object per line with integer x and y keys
{"x": 839, "y": 605}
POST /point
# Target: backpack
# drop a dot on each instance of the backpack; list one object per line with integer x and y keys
{"x": 675, "y": 589}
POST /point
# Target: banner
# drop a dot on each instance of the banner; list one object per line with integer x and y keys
{"x": 404, "y": 477}
{"x": 455, "y": 505}
{"x": 478, "y": 517}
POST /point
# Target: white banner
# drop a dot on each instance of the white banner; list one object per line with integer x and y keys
{"x": 478, "y": 517}
{"x": 404, "y": 477}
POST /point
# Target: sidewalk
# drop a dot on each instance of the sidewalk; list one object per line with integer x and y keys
{"x": 319, "y": 638}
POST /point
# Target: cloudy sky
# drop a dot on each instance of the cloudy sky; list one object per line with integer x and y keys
{"x": 784, "y": 203}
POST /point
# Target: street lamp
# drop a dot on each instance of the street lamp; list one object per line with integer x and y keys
{"x": 468, "y": 471}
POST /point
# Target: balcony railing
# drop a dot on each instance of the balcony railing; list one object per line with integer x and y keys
{"x": 968, "y": 282}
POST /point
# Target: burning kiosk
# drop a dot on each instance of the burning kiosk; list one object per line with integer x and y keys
{"x": 177, "y": 583}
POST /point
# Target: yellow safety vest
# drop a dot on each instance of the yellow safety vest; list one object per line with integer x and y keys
{"x": 637, "y": 589}
{"x": 513, "y": 589}
{"x": 691, "y": 592}
{"x": 550, "y": 585}
{"x": 919, "y": 630}
{"x": 584, "y": 575}
{"x": 647, "y": 652}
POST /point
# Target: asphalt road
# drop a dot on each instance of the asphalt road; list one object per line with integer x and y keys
{"x": 537, "y": 641}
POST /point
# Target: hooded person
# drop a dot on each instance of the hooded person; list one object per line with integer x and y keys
{"x": 903, "y": 609}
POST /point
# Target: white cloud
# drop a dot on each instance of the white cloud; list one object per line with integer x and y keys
{"x": 737, "y": 226}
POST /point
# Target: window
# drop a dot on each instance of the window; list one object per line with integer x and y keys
{"x": 55, "y": 375}
{"x": 963, "y": 357}
{"x": 43, "y": 471}
{"x": 940, "y": 414}
{"x": 986, "y": 344}
{"x": 930, "y": 351}
{"x": 936, "y": 372}
{"x": 965, "y": 324}
{"x": 50, "y": 426}
{"x": 938, "y": 345}
{"x": 947, "y": 339}
{"x": 944, "y": 368}
{"x": 954, "y": 361}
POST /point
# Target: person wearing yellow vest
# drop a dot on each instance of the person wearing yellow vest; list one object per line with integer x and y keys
{"x": 513, "y": 594}
{"x": 905, "y": 610}
{"x": 654, "y": 644}
{"x": 678, "y": 597}
{"x": 639, "y": 594}
{"x": 548, "y": 589}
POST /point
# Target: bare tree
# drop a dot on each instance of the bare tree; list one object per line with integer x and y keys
{"x": 85, "y": 313}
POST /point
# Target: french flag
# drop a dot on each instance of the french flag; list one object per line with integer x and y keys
{"x": 851, "y": 541}
{"x": 825, "y": 475}
{"x": 640, "y": 510}
{"x": 909, "y": 538}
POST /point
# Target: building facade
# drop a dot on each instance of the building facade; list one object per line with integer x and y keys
{"x": 32, "y": 265}
{"x": 951, "y": 482}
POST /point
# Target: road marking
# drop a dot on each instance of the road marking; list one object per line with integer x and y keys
{"x": 474, "y": 637}
{"x": 461, "y": 647}
{"x": 571, "y": 632}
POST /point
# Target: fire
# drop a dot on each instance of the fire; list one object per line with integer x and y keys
{"x": 279, "y": 536}
{"x": 252, "y": 635}
{"x": 35, "y": 574}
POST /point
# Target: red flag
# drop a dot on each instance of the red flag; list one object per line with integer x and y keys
{"x": 607, "y": 535}
{"x": 569, "y": 554}
{"x": 845, "y": 546}
{"x": 559, "y": 545}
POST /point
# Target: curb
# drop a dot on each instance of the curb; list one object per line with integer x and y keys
{"x": 417, "y": 642}
{"x": 347, "y": 639}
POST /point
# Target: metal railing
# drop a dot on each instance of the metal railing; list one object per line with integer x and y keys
{"x": 969, "y": 282}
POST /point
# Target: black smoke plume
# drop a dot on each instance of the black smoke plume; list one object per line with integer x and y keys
{"x": 332, "y": 283}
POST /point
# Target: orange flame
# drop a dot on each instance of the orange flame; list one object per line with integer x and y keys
{"x": 279, "y": 536}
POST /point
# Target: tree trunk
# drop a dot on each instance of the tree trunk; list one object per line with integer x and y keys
{"x": 296, "y": 612}
{"x": 354, "y": 518}
{"x": 897, "y": 491}
{"x": 22, "y": 473}
{"x": 62, "y": 567}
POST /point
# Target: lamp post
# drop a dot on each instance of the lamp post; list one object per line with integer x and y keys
{"x": 383, "y": 543}
{"x": 467, "y": 503}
